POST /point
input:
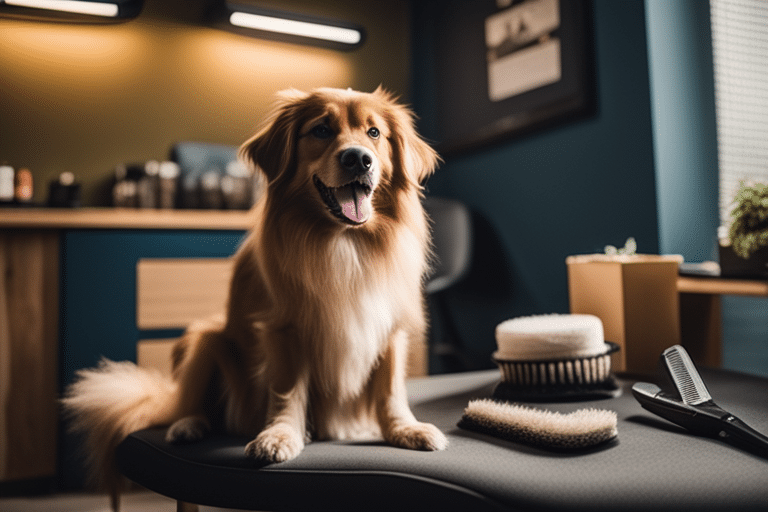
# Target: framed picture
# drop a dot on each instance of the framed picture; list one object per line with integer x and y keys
{"x": 506, "y": 68}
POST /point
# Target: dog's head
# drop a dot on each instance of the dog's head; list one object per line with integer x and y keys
{"x": 342, "y": 154}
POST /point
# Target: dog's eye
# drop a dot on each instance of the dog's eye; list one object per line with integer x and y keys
{"x": 374, "y": 133}
{"x": 322, "y": 131}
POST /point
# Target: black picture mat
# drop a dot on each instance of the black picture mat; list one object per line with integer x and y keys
{"x": 467, "y": 118}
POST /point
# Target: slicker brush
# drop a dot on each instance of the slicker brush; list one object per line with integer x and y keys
{"x": 554, "y": 357}
{"x": 580, "y": 429}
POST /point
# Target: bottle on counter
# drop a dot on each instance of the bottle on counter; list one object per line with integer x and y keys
{"x": 6, "y": 184}
{"x": 23, "y": 189}
{"x": 169, "y": 184}
{"x": 64, "y": 192}
{"x": 149, "y": 185}
{"x": 211, "y": 196}
{"x": 125, "y": 192}
{"x": 236, "y": 186}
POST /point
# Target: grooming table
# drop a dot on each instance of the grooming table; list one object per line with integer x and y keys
{"x": 654, "y": 465}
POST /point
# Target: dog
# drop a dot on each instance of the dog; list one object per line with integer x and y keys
{"x": 325, "y": 298}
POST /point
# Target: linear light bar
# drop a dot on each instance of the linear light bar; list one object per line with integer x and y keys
{"x": 287, "y": 26}
{"x": 73, "y": 6}
{"x": 296, "y": 28}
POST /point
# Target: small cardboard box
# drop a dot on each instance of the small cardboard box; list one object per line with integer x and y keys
{"x": 637, "y": 300}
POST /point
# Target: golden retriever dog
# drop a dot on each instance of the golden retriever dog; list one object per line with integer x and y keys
{"x": 325, "y": 298}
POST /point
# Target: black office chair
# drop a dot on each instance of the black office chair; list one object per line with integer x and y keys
{"x": 452, "y": 239}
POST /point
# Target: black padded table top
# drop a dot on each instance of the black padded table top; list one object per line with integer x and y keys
{"x": 653, "y": 465}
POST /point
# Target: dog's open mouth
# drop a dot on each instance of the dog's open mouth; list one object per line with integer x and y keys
{"x": 350, "y": 203}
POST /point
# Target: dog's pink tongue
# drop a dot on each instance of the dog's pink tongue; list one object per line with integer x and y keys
{"x": 355, "y": 204}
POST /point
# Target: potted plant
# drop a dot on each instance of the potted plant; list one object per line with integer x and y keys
{"x": 745, "y": 252}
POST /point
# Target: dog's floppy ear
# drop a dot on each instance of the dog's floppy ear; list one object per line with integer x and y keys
{"x": 272, "y": 148}
{"x": 417, "y": 158}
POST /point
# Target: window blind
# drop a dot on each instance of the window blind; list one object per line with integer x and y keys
{"x": 740, "y": 52}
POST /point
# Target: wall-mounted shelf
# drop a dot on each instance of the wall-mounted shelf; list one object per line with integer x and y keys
{"x": 123, "y": 218}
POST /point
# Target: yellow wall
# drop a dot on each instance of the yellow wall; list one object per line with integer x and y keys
{"x": 83, "y": 98}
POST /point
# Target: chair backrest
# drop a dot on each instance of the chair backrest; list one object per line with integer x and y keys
{"x": 451, "y": 239}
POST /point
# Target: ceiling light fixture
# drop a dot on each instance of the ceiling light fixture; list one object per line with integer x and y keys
{"x": 72, "y": 10}
{"x": 290, "y": 27}
{"x": 73, "y": 6}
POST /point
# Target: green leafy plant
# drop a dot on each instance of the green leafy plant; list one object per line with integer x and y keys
{"x": 749, "y": 220}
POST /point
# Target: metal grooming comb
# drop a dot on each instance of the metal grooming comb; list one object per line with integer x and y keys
{"x": 692, "y": 407}
{"x": 684, "y": 375}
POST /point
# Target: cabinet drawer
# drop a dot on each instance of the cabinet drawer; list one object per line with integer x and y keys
{"x": 174, "y": 292}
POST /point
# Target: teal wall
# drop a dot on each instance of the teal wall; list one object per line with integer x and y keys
{"x": 685, "y": 142}
{"x": 745, "y": 334}
{"x": 568, "y": 190}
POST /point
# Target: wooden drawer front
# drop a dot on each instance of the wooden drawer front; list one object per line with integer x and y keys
{"x": 172, "y": 293}
{"x": 156, "y": 354}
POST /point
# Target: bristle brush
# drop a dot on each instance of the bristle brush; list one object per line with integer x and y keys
{"x": 545, "y": 429}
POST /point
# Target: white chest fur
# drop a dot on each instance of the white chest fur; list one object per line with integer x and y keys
{"x": 370, "y": 297}
{"x": 367, "y": 330}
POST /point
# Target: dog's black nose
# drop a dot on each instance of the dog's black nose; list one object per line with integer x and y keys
{"x": 356, "y": 160}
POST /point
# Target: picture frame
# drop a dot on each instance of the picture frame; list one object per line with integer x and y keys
{"x": 483, "y": 98}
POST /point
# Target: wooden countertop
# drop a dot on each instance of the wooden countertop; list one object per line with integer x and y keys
{"x": 720, "y": 286}
{"x": 122, "y": 218}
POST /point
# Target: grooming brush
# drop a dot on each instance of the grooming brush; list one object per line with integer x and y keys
{"x": 546, "y": 358}
{"x": 693, "y": 407}
{"x": 546, "y": 429}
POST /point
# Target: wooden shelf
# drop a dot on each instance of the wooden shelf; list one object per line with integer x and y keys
{"x": 716, "y": 286}
{"x": 122, "y": 218}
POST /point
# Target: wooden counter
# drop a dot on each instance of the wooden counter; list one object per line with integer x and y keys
{"x": 30, "y": 246}
{"x": 122, "y": 218}
{"x": 29, "y": 309}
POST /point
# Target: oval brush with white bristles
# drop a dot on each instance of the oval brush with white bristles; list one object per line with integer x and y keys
{"x": 547, "y": 429}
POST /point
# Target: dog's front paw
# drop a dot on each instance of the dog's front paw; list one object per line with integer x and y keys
{"x": 417, "y": 436}
{"x": 188, "y": 429}
{"x": 277, "y": 443}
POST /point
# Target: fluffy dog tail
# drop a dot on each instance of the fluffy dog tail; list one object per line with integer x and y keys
{"x": 107, "y": 403}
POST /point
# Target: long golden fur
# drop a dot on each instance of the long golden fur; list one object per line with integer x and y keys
{"x": 325, "y": 298}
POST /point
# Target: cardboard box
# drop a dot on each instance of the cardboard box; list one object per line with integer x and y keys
{"x": 637, "y": 300}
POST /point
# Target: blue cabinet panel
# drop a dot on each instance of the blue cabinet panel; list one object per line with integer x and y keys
{"x": 98, "y": 298}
